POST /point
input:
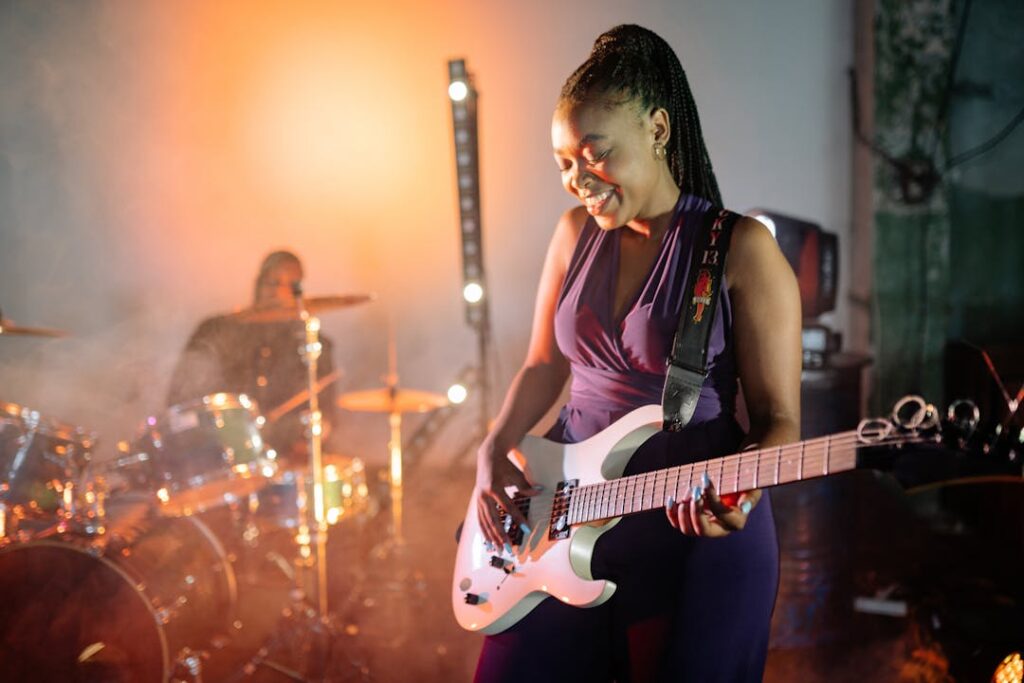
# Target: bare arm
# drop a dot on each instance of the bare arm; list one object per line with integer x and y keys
{"x": 767, "y": 323}
{"x": 533, "y": 391}
{"x": 766, "y": 329}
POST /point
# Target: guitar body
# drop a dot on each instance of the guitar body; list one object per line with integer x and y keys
{"x": 491, "y": 590}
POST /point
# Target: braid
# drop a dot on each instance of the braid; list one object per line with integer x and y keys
{"x": 639, "y": 65}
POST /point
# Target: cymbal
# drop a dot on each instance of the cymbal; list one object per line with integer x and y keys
{"x": 315, "y": 305}
{"x": 8, "y": 327}
{"x": 391, "y": 400}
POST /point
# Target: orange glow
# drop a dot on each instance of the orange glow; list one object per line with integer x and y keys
{"x": 318, "y": 125}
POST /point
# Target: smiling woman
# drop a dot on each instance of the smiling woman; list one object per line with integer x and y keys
{"x": 694, "y": 605}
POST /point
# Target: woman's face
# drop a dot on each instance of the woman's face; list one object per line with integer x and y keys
{"x": 606, "y": 156}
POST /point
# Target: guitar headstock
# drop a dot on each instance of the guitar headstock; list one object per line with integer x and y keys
{"x": 919, "y": 445}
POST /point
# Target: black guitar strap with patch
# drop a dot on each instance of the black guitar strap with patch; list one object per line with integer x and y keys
{"x": 687, "y": 363}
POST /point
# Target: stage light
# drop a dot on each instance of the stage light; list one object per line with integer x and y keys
{"x": 467, "y": 183}
{"x": 458, "y": 90}
{"x": 1010, "y": 670}
{"x": 473, "y": 293}
{"x": 457, "y": 393}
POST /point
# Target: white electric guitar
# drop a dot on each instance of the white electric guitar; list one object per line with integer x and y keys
{"x": 585, "y": 495}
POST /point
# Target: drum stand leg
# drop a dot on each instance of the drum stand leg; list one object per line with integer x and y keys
{"x": 303, "y": 647}
{"x": 306, "y": 631}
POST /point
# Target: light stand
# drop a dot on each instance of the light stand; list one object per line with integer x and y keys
{"x": 463, "y": 95}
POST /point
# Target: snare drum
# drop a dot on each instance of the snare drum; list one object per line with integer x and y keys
{"x": 40, "y": 459}
{"x": 198, "y": 453}
{"x": 345, "y": 495}
{"x": 133, "y": 608}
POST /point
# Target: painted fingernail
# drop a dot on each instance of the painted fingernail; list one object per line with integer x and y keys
{"x": 489, "y": 546}
{"x": 670, "y": 501}
{"x": 746, "y": 506}
{"x": 705, "y": 480}
{"x": 508, "y": 548}
{"x": 525, "y": 528}
{"x": 697, "y": 492}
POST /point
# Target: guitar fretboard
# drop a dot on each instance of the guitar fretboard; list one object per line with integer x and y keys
{"x": 753, "y": 469}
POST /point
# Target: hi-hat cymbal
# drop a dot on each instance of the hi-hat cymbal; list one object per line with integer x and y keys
{"x": 8, "y": 327}
{"x": 392, "y": 400}
{"x": 315, "y": 305}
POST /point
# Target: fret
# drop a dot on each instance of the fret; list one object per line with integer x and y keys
{"x": 800, "y": 462}
{"x": 778, "y": 463}
{"x": 828, "y": 440}
{"x": 757, "y": 466}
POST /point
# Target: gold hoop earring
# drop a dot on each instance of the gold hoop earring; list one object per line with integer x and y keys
{"x": 659, "y": 151}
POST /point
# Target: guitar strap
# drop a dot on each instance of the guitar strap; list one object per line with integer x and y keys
{"x": 687, "y": 363}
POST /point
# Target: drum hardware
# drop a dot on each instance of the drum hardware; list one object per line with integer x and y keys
{"x": 198, "y": 454}
{"x": 346, "y": 493}
{"x": 306, "y": 306}
{"x": 307, "y": 623}
{"x": 146, "y": 601}
{"x": 301, "y": 397}
{"x": 40, "y": 461}
{"x": 393, "y": 401}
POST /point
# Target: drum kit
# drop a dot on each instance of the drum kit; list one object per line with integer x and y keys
{"x": 136, "y": 567}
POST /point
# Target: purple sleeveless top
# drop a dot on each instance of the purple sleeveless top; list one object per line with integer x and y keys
{"x": 619, "y": 365}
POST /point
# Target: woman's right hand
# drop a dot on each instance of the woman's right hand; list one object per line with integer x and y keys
{"x": 495, "y": 472}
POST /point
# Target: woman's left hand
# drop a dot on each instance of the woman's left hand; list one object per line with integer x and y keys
{"x": 703, "y": 513}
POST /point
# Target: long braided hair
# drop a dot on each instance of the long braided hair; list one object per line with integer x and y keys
{"x": 637, "y": 64}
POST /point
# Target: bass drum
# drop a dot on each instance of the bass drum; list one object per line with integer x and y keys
{"x": 134, "y": 608}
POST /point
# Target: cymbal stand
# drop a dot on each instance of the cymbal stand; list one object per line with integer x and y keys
{"x": 395, "y": 441}
{"x": 305, "y": 629}
{"x": 318, "y": 519}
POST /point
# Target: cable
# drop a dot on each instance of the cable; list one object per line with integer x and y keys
{"x": 987, "y": 145}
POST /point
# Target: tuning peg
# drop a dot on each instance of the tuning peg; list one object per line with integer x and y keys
{"x": 964, "y": 415}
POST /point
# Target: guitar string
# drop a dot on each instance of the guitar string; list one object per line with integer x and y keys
{"x": 819, "y": 455}
{"x": 815, "y": 456}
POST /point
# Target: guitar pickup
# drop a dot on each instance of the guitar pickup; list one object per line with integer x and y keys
{"x": 558, "y": 529}
{"x": 515, "y": 534}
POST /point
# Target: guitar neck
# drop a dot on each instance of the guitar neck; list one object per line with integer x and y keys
{"x": 753, "y": 469}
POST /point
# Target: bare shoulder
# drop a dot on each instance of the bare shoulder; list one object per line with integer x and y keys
{"x": 567, "y": 234}
{"x": 754, "y": 255}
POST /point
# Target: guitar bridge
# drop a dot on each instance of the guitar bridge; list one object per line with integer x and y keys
{"x": 558, "y": 526}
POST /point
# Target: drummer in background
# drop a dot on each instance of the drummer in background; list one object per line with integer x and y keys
{"x": 257, "y": 352}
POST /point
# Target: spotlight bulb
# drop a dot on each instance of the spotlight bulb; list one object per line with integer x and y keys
{"x": 457, "y": 90}
{"x": 473, "y": 292}
{"x": 457, "y": 393}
